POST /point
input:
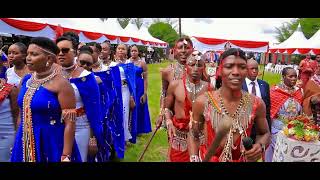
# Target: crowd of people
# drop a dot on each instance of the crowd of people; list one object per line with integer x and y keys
{"x": 68, "y": 101}
{"x": 63, "y": 101}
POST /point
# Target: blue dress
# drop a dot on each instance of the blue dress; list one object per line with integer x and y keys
{"x": 113, "y": 102}
{"x": 48, "y": 130}
{"x": 143, "y": 120}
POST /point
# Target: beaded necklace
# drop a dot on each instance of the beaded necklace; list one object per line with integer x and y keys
{"x": 29, "y": 152}
{"x": 194, "y": 88}
{"x": 240, "y": 120}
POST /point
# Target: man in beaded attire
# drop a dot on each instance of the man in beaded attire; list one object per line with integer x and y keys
{"x": 180, "y": 96}
{"x": 182, "y": 50}
{"x": 228, "y": 105}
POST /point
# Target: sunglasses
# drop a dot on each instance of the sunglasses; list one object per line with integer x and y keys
{"x": 83, "y": 62}
{"x": 65, "y": 50}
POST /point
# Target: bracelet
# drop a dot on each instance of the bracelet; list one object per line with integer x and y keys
{"x": 93, "y": 141}
{"x": 168, "y": 110}
{"x": 195, "y": 158}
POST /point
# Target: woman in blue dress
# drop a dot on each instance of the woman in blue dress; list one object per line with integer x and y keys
{"x": 143, "y": 119}
{"x": 89, "y": 121}
{"x": 47, "y": 108}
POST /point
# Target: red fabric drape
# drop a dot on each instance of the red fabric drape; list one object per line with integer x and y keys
{"x": 135, "y": 40}
{"x": 316, "y": 51}
{"x": 291, "y": 50}
{"x": 249, "y": 44}
{"x": 24, "y": 25}
{"x": 282, "y": 50}
{"x": 92, "y": 35}
{"x": 304, "y": 50}
{"x": 110, "y": 37}
{"x": 273, "y": 50}
{"x": 211, "y": 41}
{"x": 59, "y": 31}
{"x": 124, "y": 39}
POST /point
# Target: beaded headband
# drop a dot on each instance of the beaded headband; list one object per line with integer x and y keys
{"x": 45, "y": 50}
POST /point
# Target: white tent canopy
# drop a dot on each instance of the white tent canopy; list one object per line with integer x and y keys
{"x": 315, "y": 40}
{"x": 296, "y": 40}
{"x": 112, "y": 26}
{"x": 147, "y": 36}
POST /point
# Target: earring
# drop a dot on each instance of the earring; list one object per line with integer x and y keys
{"x": 47, "y": 64}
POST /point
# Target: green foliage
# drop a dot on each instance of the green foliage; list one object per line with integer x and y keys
{"x": 164, "y": 31}
{"x": 309, "y": 27}
{"x": 124, "y": 22}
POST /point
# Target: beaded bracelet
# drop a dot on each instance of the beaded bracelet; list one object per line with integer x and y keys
{"x": 69, "y": 114}
{"x": 195, "y": 158}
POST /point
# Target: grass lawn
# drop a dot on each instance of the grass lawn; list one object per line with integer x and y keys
{"x": 157, "y": 151}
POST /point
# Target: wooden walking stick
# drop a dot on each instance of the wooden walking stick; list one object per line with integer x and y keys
{"x": 145, "y": 149}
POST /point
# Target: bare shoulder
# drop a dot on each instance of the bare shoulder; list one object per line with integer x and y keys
{"x": 60, "y": 81}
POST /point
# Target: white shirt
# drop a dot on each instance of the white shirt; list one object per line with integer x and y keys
{"x": 258, "y": 92}
{"x": 12, "y": 77}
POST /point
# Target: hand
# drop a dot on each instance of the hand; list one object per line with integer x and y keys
{"x": 143, "y": 98}
{"x": 2, "y": 81}
{"x": 159, "y": 121}
{"x": 254, "y": 153}
{"x": 171, "y": 129}
{"x": 132, "y": 102}
{"x": 92, "y": 148}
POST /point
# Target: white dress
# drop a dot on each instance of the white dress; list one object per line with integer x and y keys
{"x": 126, "y": 106}
{"x": 82, "y": 133}
{"x": 12, "y": 77}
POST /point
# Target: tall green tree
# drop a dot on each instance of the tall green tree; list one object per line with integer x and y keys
{"x": 164, "y": 31}
{"x": 309, "y": 27}
{"x": 124, "y": 22}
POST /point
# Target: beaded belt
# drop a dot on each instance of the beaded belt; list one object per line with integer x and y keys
{"x": 179, "y": 142}
{"x": 80, "y": 112}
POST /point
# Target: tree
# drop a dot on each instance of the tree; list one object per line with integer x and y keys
{"x": 124, "y": 22}
{"x": 138, "y": 22}
{"x": 164, "y": 31}
{"x": 309, "y": 27}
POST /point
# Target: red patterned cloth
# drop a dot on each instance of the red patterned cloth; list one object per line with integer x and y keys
{"x": 5, "y": 91}
{"x": 278, "y": 97}
{"x": 304, "y": 74}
